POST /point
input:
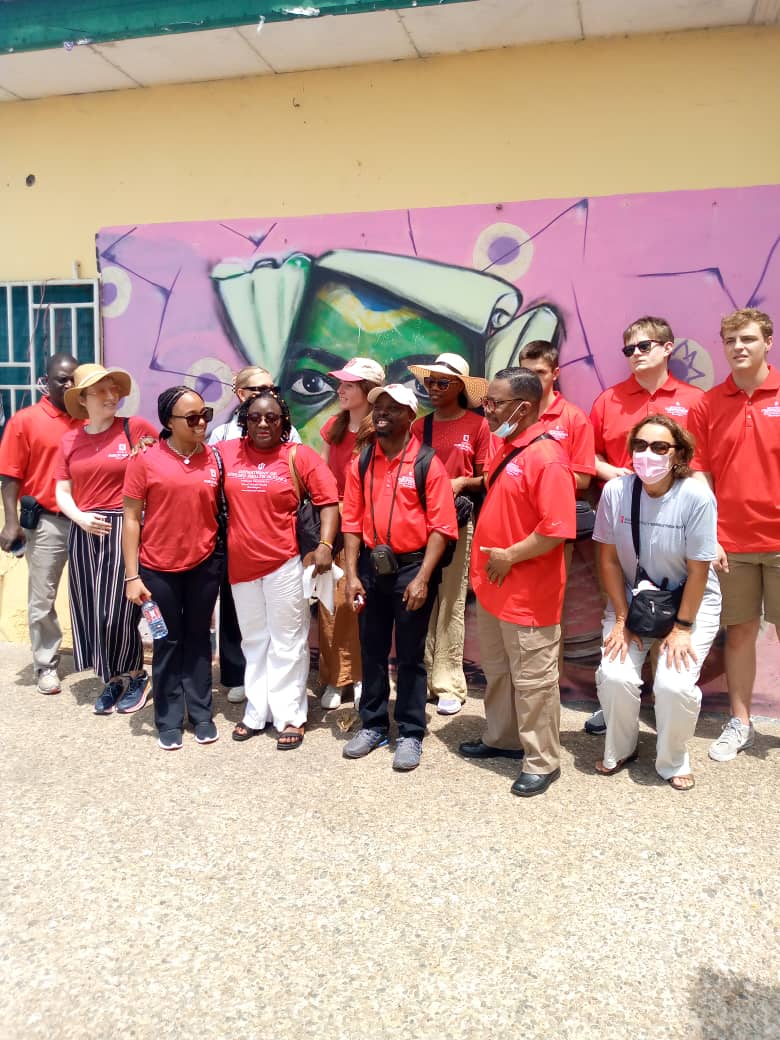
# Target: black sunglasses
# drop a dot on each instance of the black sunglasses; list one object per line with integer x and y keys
{"x": 431, "y": 383}
{"x": 197, "y": 417}
{"x": 644, "y": 347}
{"x": 657, "y": 447}
{"x": 271, "y": 418}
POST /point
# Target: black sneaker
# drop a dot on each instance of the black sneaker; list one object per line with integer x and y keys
{"x": 170, "y": 739}
{"x": 206, "y": 733}
{"x": 135, "y": 696}
{"x": 106, "y": 702}
{"x": 596, "y": 724}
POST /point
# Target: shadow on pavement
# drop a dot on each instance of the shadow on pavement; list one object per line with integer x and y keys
{"x": 732, "y": 1007}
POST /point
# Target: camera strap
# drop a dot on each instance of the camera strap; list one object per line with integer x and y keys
{"x": 395, "y": 491}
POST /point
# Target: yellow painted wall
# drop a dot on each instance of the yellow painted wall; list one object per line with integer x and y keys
{"x": 692, "y": 110}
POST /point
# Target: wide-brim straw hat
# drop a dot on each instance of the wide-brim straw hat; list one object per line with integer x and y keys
{"x": 454, "y": 365}
{"x": 86, "y": 376}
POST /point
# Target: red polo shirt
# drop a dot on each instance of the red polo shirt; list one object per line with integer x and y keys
{"x": 462, "y": 444}
{"x": 180, "y": 506}
{"x": 571, "y": 428}
{"x": 619, "y": 408}
{"x": 410, "y": 526}
{"x": 534, "y": 492}
{"x": 340, "y": 455}
{"x": 31, "y": 446}
{"x": 263, "y": 503}
{"x": 738, "y": 443}
{"x": 95, "y": 463}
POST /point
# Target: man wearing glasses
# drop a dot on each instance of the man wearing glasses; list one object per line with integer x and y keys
{"x": 737, "y": 431}
{"x": 650, "y": 390}
{"x": 518, "y": 576}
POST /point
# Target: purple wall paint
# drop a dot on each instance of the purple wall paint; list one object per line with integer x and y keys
{"x": 194, "y": 301}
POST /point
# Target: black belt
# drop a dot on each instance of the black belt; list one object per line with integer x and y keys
{"x": 404, "y": 559}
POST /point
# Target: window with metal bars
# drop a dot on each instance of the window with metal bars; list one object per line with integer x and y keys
{"x": 38, "y": 319}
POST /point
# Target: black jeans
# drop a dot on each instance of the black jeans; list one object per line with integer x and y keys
{"x": 181, "y": 662}
{"x": 231, "y": 656}
{"x": 384, "y": 611}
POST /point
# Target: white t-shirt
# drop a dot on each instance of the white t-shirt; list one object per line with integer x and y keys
{"x": 231, "y": 431}
{"x": 679, "y": 526}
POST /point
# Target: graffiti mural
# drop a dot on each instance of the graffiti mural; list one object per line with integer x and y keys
{"x": 193, "y": 302}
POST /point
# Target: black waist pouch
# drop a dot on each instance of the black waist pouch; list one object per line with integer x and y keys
{"x": 30, "y": 512}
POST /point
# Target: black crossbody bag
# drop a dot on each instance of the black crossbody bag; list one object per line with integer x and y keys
{"x": 653, "y": 612}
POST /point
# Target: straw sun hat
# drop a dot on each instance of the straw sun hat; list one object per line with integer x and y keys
{"x": 86, "y": 376}
{"x": 454, "y": 365}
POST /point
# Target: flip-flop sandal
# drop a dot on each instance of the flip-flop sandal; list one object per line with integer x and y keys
{"x": 688, "y": 787}
{"x": 244, "y": 732}
{"x": 294, "y": 740}
{"x": 621, "y": 765}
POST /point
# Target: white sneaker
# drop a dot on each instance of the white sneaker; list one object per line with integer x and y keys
{"x": 357, "y": 691}
{"x": 331, "y": 698}
{"x": 236, "y": 695}
{"x": 734, "y": 738}
{"x": 48, "y": 681}
{"x": 448, "y": 706}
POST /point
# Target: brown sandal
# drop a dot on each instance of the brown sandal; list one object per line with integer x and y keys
{"x": 603, "y": 771}
{"x": 290, "y": 738}
{"x": 684, "y": 786}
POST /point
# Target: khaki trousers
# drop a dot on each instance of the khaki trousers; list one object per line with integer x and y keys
{"x": 339, "y": 640}
{"x": 522, "y": 698}
{"x": 447, "y": 627}
{"x": 47, "y": 554}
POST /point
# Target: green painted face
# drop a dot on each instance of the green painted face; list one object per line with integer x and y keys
{"x": 343, "y": 322}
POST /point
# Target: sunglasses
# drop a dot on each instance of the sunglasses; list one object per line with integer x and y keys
{"x": 431, "y": 383}
{"x": 256, "y": 418}
{"x": 644, "y": 347}
{"x": 260, "y": 389}
{"x": 657, "y": 447}
{"x": 197, "y": 417}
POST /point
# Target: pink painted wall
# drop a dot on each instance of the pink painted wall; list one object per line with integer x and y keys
{"x": 197, "y": 301}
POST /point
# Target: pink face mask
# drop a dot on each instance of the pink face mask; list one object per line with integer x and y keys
{"x": 649, "y": 467}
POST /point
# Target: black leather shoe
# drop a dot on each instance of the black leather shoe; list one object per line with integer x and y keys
{"x": 476, "y": 749}
{"x": 529, "y": 784}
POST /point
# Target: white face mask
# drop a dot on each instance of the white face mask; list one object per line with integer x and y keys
{"x": 506, "y": 429}
{"x": 649, "y": 467}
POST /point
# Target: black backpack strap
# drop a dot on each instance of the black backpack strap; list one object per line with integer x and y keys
{"x": 512, "y": 454}
{"x": 126, "y": 424}
{"x": 222, "y": 506}
{"x": 364, "y": 462}
{"x": 428, "y": 429}
{"x": 421, "y": 466}
{"x": 636, "y": 495}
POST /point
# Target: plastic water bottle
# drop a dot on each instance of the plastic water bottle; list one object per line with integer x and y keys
{"x": 154, "y": 619}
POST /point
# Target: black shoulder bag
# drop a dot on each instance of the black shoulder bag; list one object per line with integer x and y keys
{"x": 653, "y": 612}
{"x": 308, "y": 525}
{"x": 464, "y": 505}
{"x": 222, "y": 506}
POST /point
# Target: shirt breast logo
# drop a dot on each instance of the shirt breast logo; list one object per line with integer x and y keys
{"x": 558, "y": 433}
{"x": 406, "y": 481}
{"x": 772, "y": 411}
{"x": 514, "y": 470}
{"x": 676, "y": 409}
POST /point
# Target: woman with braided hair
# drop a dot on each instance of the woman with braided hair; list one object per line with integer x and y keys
{"x": 262, "y": 471}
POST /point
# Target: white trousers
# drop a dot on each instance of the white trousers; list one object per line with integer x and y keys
{"x": 677, "y": 700}
{"x": 274, "y": 621}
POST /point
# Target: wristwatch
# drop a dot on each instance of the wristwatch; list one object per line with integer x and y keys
{"x": 683, "y": 624}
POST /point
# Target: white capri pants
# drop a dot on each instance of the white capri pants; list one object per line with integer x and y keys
{"x": 274, "y": 621}
{"x": 677, "y": 699}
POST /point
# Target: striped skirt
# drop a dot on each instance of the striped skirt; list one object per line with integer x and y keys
{"x": 104, "y": 621}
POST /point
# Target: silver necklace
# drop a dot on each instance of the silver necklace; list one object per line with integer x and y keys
{"x": 184, "y": 456}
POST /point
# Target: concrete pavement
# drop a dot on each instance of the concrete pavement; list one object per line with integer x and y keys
{"x": 233, "y": 891}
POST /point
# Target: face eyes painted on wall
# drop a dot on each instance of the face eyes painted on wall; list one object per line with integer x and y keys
{"x": 312, "y": 387}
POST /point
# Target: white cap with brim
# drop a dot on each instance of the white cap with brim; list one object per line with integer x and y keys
{"x": 455, "y": 366}
{"x": 402, "y": 394}
{"x": 86, "y": 376}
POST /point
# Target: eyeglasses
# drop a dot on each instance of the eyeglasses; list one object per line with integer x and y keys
{"x": 644, "y": 347}
{"x": 657, "y": 447}
{"x": 271, "y": 419}
{"x": 491, "y": 403}
{"x": 196, "y": 418}
{"x": 437, "y": 384}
